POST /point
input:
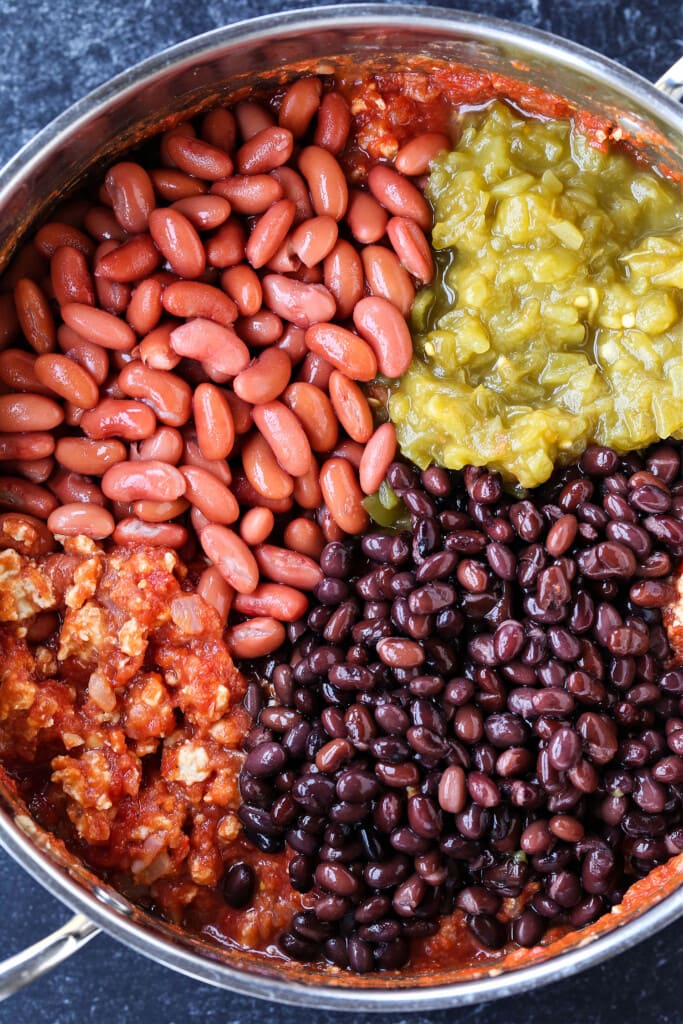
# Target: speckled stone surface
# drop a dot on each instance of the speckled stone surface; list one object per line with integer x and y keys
{"x": 51, "y": 53}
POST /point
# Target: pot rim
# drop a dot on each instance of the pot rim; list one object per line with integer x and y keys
{"x": 103, "y": 906}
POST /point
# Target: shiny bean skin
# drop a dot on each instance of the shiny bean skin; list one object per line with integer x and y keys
{"x": 143, "y": 480}
{"x": 67, "y": 379}
{"x": 74, "y": 519}
{"x": 304, "y": 536}
{"x": 367, "y": 220}
{"x": 244, "y": 287}
{"x": 307, "y": 492}
{"x": 351, "y": 407}
{"x": 344, "y": 350}
{"x": 188, "y": 299}
{"x": 285, "y": 435}
{"x": 211, "y": 343}
{"x": 204, "y": 212}
{"x": 399, "y": 196}
{"x": 269, "y": 232}
{"x": 118, "y": 265}
{"x": 34, "y": 315}
{"x": 326, "y": 182}
{"x": 299, "y": 105}
{"x": 343, "y": 277}
{"x": 132, "y": 195}
{"x": 265, "y": 378}
{"x": 22, "y": 412}
{"x": 412, "y": 248}
{"x": 378, "y": 454}
{"x": 145, "y": 307}
{"x": 92, "y": 358}
{"x": 29, "y": 446}
{"x": 23, "y": 496}
{"x": 299, "y": 303}
{"x": 135, "y": 531}
{"x": 282, "y": 602}
{"x": 70, "y": 277}
{"x": 54, "y": 234}
{"x": 168, "y": 395}
{"x": 264, "y": 151}
{"x": 314, "y": 239}
{"x": 231, "y": 556}
{"x": 87, "y": 456}
{"x": 199, "y": 158}
{"x": 216, "y": 592}
{"x": 214, "y": 422}
{"x": 112, "y": 417}
{"x": 343, "y": 495}
{"x": 258, "y": 636}
{"x": 98, "y": 327}
{"x": 333, "y": 123}
{"x": 17, "y": 372}
{"x": 207, "y": 493}
{"x": 382, "y": 326}
{"x": 178, "y": 242}
{"x": 283, "y": 566}
{"x": 294, "y": 188}
{"x": 256, "y": 525}
{"x": 387, "y": 277}
{"x": 249, "y": 194}
{"x": 159, "y": 511}
{"x": 263, "y": 471}
{"x": 415, "y": 156}
{"x": 74, "y": 487}
{"x": 226, "y": 247}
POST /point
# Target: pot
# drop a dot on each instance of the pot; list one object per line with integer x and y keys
{"x": 182, "y": 81}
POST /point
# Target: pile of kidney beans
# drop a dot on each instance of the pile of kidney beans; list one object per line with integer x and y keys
{"x": 483, "y": 713}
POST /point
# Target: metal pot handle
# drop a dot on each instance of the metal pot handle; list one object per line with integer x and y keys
{"x": 24, "y": 967}
{"x": 671, "y": 82}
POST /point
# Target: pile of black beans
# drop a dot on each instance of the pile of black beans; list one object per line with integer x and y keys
{"x": 483, "y": 714}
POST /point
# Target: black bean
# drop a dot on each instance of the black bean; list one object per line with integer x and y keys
{"x": 239, "y": 882}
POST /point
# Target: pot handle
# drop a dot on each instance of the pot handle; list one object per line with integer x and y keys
{"x": 671, "y": 82}
{"x": 24, "y": 967}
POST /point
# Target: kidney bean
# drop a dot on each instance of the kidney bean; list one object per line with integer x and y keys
{"x": 412, "y": 248}
{"x": 76, "y": 518}
{"x": 70, "y": 277}
{"x": 91, "y": 357}
{"x": 72, "y": 487}
{"x": 145, "y": 306}
{"x": 87, "y": 456}
{"x": 132, "y": 195}
{"x": 98, "y": 327}
{"x": 18, "y": 374}
{"x": 399, "y": 196}
{"x": 178, "y": 241}
{"x": 212, "y": 344}
{"x": 382, "y": 326}
{"x": 30, "y": 447}
{"x": 29, "y": 413}
{"x": 168, "y": 395}
{"x": 204, "y": 212}
{"x": 326, "y": 181}
{"x": 333, "y": 123}
{"x": 343, "y": 277}
{"x": 263, "y": 471}
{"x": 258, "y": 636}
{"x": 231, "y": 556}
{"x": 387, "y": 278}
{"x": 23, "y": 496}
{"x": 116, "y": 266}
{"x": 266, "y": 149}
{"x": 188, "y": 299}
{"x": 207, "y": 493}
{"x": 34, "y": 316}
{"x": 67, "y": 379}
{"x": 285, "y": 435}
{"x": 343, "y": 496}
{"x": 297, "y": 302}
{"x": 285, "y": 566}
{"x": 304, "y": 536}
{"x": 143, "y": 480}
{"x": 56, "y": 234}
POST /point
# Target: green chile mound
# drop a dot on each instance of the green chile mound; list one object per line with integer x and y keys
{"x": 555, "y": 317}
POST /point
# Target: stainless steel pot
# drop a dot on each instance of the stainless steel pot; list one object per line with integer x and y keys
{"x": 184, "y": 80}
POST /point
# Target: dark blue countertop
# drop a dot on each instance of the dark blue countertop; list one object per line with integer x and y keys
{"x": 51, "y": 53}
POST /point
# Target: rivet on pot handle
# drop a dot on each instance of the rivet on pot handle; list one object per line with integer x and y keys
{"x": 671, "y": 82}
{"x": 42, "y": 956}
